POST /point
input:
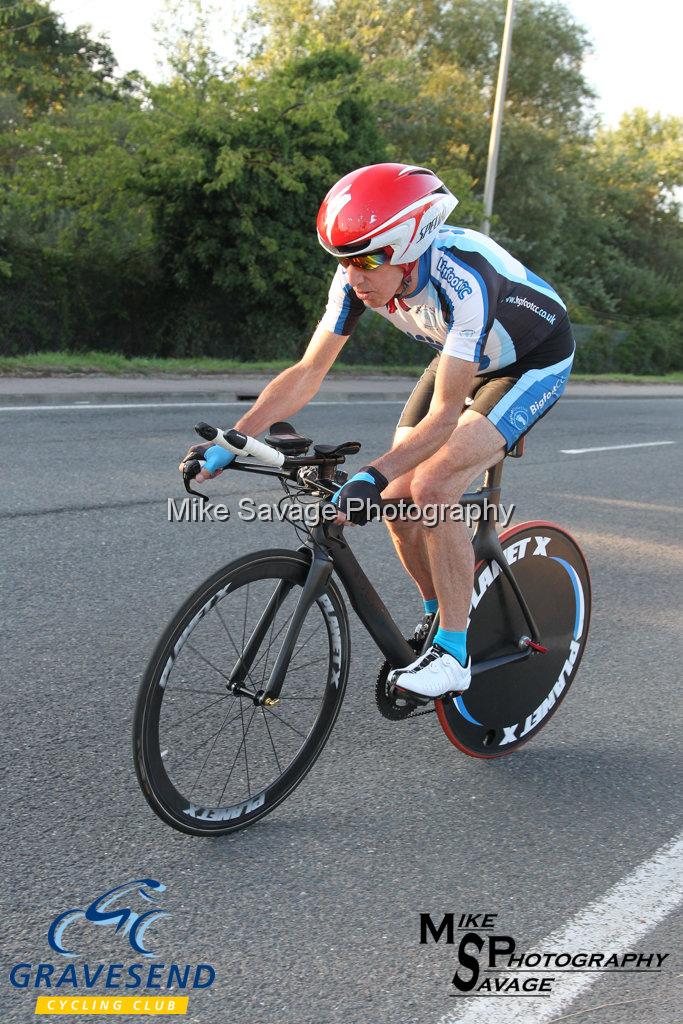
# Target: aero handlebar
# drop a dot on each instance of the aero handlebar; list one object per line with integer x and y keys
{"x": 241, "y": 444}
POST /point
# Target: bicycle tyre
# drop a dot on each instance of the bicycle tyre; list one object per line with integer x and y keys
{"x": 507, "y": 706}
{"x": 151, "y": 760}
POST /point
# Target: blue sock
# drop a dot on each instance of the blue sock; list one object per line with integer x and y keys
{"x": 431, "y": 606}
{"x": 454, "y": 643}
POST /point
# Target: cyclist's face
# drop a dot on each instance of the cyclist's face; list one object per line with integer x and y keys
{"x": 375, "y": 287}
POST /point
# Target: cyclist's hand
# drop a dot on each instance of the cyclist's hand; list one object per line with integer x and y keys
{"x": 214, "y": 455}
{"x": 365, "y": 486}
{"x": 195, "y": 451}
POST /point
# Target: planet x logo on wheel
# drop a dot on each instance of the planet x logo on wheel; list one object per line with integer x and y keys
{"x": 178, "y": 646}
{"x": 516, "y": 551}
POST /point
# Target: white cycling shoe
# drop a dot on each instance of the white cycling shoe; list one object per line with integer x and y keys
{"x": 433, "y": 674}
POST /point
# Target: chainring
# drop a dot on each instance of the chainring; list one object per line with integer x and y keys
{"x": 391, "y": 706}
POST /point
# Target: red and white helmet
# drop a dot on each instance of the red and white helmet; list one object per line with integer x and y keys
{"x": 384, "y": 206}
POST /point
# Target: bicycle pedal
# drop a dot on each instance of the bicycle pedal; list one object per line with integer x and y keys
{"x": 415, "y": 698}
{"x": 420, "y": 698}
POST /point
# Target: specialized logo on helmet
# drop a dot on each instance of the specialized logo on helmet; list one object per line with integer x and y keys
{"x": 433, "y": 224}
{"x": 458, "y": 284}
{"x": 335, "y": 207}
{"x": 126, "y": 920}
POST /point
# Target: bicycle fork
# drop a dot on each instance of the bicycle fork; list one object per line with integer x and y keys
{"x": 316, "y": 582}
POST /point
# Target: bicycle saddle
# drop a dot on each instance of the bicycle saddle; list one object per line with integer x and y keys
{"x": 284, "y": 437}
{"x": 333, "y": 450}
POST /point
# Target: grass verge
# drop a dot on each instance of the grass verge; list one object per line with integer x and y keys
{"x": 45, "y": 364}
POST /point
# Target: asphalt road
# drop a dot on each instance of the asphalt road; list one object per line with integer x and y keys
{"x": 312, "y": 916}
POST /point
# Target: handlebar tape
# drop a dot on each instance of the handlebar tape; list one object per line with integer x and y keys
{"x": 241, "y": 444}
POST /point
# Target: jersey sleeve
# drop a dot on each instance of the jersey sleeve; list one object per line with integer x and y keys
{"x": 467, "y": 308}
{"x": 344, "y": 308}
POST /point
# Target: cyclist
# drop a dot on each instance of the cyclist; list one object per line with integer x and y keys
{"x": 504, "y": 349}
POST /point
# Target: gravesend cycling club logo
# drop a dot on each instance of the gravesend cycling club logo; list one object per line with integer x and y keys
{"x": 131, "y": 913}
{"x": 488, "y": 963}
{"x": 101, "y": 912}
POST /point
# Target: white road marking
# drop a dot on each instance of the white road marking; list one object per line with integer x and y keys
{"x": 612, "y": 924}
{"x": 184, "y": 405}
{"x": 638, "y": 506}
{"x": 614, "y": 447}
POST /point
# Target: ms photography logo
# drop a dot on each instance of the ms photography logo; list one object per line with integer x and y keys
{"x": 122, "y": 988}
{"x": 487, "y": 964}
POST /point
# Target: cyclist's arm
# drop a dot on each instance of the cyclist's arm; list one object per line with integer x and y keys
{"x": 294, "y": 387}
{"x": 454, "y": 378}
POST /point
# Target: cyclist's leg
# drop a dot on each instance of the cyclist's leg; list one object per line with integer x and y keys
{"x": 408, "y": 537}
{"x": 474, "y": 445}
{"x": 503, "y": 409}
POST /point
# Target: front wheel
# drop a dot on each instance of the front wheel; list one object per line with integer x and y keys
{"x": 506, "y": 705}
{"x": 210, "y": 761}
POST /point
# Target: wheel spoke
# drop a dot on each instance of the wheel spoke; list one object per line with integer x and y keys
{"x": 244, "y": 747}
{"x": 269, "y": 647}
{"x": 315, "y": 630}
{"x": 177, "y": 688}
{"x": 264, "y": 654}
{"x": 211, "y": 748}
{"x": 237, "y": 652}
{"x": 199, "y": 746}
{"x": 284, "y": 722}
{"x": 307, "y": 664}
{"x": 277, "y": 759}
{"x": 236, "y": 756}
{"x": 244, "y": 624}
{"x": 207, "y": 662}
{"x": 285, "y": 696}
{"x": 194, "y": 714}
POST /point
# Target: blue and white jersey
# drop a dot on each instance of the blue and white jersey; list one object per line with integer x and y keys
{"x": 473, "y": 300}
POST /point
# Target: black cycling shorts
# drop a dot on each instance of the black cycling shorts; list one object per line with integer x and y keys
{"x": 513, "y": 398}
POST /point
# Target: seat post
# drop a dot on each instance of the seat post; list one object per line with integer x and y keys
{"x": 492, "y": 478}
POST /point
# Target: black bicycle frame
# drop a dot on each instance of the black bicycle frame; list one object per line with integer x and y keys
{"x": 328, "y": 549}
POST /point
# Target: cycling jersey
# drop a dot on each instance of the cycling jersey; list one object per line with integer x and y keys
{"x": 473, "y": 300}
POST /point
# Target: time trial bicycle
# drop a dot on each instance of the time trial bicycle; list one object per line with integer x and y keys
{"x": 246, "y": 682}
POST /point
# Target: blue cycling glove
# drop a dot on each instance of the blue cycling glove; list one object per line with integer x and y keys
{"x": 217, "y": 457}
{"x": 366, "y": 485}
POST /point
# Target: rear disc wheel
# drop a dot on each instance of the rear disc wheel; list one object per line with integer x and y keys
{"x": 506, "y": 706}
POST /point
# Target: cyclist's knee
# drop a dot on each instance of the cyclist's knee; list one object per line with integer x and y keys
{"x": 400, "y": 434}
{"x": 431, "y": 486}
{"x": 401, "y": 487}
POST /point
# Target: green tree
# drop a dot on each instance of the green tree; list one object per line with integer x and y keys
{"x": 71, "y": 238}
{"x": 43, "y": 64}
{"x": 235, "y": 185}
{"x": 431, "y": 68}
